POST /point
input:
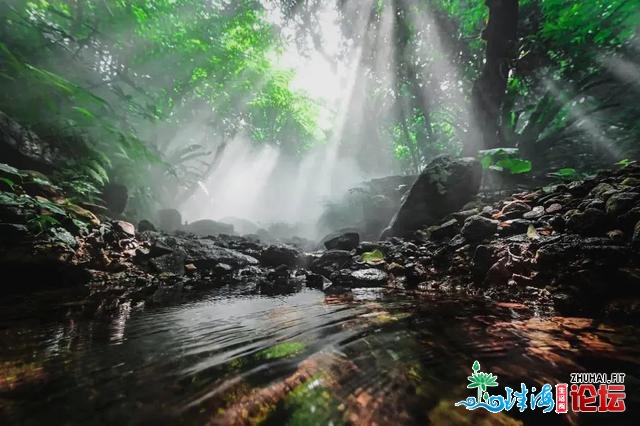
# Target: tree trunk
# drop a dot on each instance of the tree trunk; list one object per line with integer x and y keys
{"x": 490, "y": 88}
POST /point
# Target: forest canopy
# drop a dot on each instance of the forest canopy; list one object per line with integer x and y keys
{"x": 150, "y": 93}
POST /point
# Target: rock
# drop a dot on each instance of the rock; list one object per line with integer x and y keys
{"x": 633, "y": 182}
{"x": 145, "y": 225}
{"x": 635, "y": 239}
{"x": 205, "y": 254}
{"x": 173, "y": 263}
{"x": 23, "y": 149}
{"x": 396, "y": 269}
{"x": 222, "y": 269}
{"x": 581, "y": 188}
{"x": 330, "y": 261}
{"x": 594, "y": 204}
{"x": 628, "y": 220}
{"x": 158, "y": 248}
{"x": 445, "y": 230}
{"x": 208, "y": 227}
{"x": 554, "y": 208}
{"x": 443, "y": 187}
{"x": 169, "y": 220}
{"x": 276, "y": 255}
{"x": 61, "y": 235}
{"x": 515, "y": 210}
{"x": 487, "y": 211}
{"x": 616, "y": 235}
{"x": 536, "y": 213}
{"x": 602, "y": 191}
{"x": 13, "y": 233}
{"x": 115, "y": 197}
{"x": 515, "y": 227}
{"x": 370, "y": 277}
{"x": 346, "y": 241}
{"x": 124, "y": 227}
{"x": 477, "y": 228}
{"x": 280, "y": 281}
{"x": 483, "y": 258}
{"x": 557, "y": 223}
{"x": 463, "y": 215}
{"x": 588, "y": 223}
{"x": 317, "y": 281}
{"x": 562, "y": 250}
{"x": 620, "y": 203}
{"x": 415, "y": 273}
{"x": 190, "y": 268}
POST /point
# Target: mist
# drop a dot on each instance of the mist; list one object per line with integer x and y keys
{"x": 268, "y": 185}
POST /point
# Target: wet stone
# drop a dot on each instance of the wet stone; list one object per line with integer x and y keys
{"x": 589, "y": 222}
{"x": 536, "y": 213}
{"x": 635, "y": 240}
{"x": 554, "y": 208}
{"x": 125, "y": 227}
{"x": 331, "y": 261}
{"x": 620, "y": 203}
{"x": 445, "y": 230}
{"x": 557, "y": 223}
{"x": 145, "y": 225}
{"x": 13, "y": 233}
{"x": 169, "y": 263}
{"x": 276, "y": 255}
{"x": 477, "y": 228}
{"x": 515, "y": 227}
{"x": 370, "y": 277}
{"x": 345, "y": 241}
{"x": 515, "y": 210}
{"x": 602, "y": 191}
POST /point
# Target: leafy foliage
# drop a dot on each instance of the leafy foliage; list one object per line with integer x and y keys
{"x": 504, "y": 159}
{"x": 113, "y": 83}
{"x": 373, "y": 256}
{"x": 151, "y": 92}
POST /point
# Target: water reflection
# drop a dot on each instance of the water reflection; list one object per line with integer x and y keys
{"x": 370, "y": 357}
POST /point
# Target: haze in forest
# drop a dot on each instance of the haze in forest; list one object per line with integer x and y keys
{"x": 270, "y": 111}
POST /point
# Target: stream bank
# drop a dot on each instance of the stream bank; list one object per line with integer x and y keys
{"x": 570, "y": 248}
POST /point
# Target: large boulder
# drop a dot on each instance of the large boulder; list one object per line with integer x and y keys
{"x": 281, "y": 254}
{"x": 206, "y": 254}
{"x": 23, "y": 149}
{"x": 342, "y": 241}
{"x": 115, "y": 197}
{"x": 444, "y": 186}
{"x": 169, "y": 220}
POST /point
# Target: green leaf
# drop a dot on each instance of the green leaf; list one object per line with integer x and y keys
{"x": 7, "y": 182}
{"x": 373, "y": 256}
{"x": 532, "y": 233}
{"x": 515, "y": 165}
{"x": 5, "y": 168}
{"x": 85, "y": 112}
{"x": 626, "y": 162}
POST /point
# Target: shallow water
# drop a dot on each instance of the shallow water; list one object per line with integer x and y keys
{"x": 304, "y": 359}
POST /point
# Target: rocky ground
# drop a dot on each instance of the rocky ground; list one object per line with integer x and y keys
{"x": 571, "y": 247}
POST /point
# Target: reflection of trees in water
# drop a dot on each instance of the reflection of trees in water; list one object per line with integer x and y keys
{"x": 358, "y": 358}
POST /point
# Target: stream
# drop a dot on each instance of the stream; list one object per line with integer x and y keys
{"x": 370, "y": 357}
